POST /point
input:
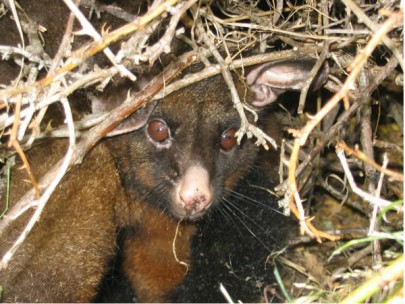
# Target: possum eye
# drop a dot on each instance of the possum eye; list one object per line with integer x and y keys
{"x": 228, "y": 139}
{"x": 158, "y": 130}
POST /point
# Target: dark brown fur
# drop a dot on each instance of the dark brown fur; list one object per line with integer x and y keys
{"x": 66, "y": 253}
{"x": 157, "y": 255}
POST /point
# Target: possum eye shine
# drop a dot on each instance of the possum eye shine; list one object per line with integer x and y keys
{"x": 228, "y": 139}
{"x": 158, "y": 131}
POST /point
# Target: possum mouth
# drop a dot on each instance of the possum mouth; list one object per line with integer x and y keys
{"x": 190, "y": 214}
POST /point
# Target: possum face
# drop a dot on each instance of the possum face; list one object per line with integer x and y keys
{"x": 186, "y": 153}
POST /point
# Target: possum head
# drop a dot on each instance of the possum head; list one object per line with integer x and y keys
{"x": 184, "y": 154}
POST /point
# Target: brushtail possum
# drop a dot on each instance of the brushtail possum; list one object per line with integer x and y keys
{"x": 183, "y": 162}
{"x": 177, "y": 165}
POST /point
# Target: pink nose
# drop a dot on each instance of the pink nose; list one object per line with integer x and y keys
{"x": 194, "y": 190}
{"x": 195, "y": 201}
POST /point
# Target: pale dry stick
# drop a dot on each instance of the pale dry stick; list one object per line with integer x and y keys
{"x": 81, "y": 125}
{"x": 277, "y": 11}
{"x": 347, "y": 32}
{"x": 65, "y": 45}
{"x": 373, "y": 200}
{"x": 360, "y": 155}
{"x": 281, "y": 163}
{"x": 225, "y": 293}
{"x": 110, "y": 9}
{"x": 315, "y": 69}
{"x": 25, "y": 121}
{"x": 131, "y": 48}
{"x": 8, "y": 50}
{"x": 12, "y": 7}
{"x": 325, "y": 15}
{"x": 163, "y": 46}
{"x": 87, "y": 28}
{"x": 373, "y": 219}
{"x": 362, "y": 17}
{"x": 49, "y": 190}
{"x": 374, "y": 225}
{"x": 302, "y": 135}
{"x": 358, "y": 255}
{"x": 399, "y": 235}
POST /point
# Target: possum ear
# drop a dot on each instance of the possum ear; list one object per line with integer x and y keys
{"x": 269, "y": 80}
{"x": 115, "y": 97}
{"x": 135, "y": 121}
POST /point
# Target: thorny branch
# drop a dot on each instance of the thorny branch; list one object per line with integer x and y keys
{"x": 88, "y": 29}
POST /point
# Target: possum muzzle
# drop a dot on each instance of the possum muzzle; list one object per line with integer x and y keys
{"x": 192, "y": 193}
